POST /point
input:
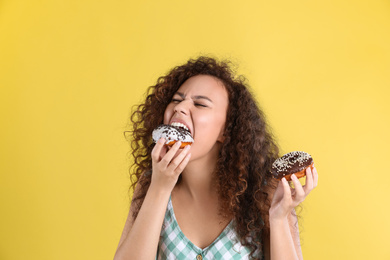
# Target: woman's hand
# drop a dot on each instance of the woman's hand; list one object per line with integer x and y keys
{"x": 168, "y": 165}
{"x": 285, "y": 198}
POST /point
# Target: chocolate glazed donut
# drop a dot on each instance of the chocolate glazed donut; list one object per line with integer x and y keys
{"x": 172, "y": 134}
{"x": 292, "y": 163}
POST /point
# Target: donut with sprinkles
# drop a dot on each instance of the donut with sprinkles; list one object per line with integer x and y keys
{"x": 291, "y": 163}
{"x": 172, "y": 134}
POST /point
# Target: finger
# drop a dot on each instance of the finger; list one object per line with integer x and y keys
{"x": 177, "y": 161}
{"x": 315, "y": 177}
{"x": 157, "y": 149}
{"x": 309, "y": 180}
{"x": 286, "y": 190}
{"x": 183, "y": 164}
{"x": 299, "y": 192}
{"x": 163, "y": 152}
{"x": 278, "y": 192}
{"x": 169, "y": 155}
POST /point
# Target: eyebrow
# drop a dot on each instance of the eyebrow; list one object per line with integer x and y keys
{"x": 194, "y": 97}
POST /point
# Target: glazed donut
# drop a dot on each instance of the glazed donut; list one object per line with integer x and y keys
{"x": 291, "y": 163}
{"x": 172, "y": 134}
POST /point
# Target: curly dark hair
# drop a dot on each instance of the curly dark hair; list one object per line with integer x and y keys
{"x": 247, "y": 153}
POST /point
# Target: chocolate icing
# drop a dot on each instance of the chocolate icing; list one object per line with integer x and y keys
{"x": 290, "y": 163}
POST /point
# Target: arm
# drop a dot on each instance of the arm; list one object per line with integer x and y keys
{"x": 284, "y": 234}
{"x": 294, "y": 231}
{"x": 140, "y": 238}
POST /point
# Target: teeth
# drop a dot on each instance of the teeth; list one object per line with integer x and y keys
{"x": 176, "y": 124}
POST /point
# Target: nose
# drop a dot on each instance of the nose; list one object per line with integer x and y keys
{"x": 182, "y": 107}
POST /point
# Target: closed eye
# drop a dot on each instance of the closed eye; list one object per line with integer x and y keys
{"x": 174, "y": 100}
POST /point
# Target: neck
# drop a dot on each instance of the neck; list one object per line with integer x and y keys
{"x": 198, "y": 178}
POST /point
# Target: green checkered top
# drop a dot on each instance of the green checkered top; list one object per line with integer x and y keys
{"x": 174, "y": 244}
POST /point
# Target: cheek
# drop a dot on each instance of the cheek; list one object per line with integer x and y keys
{"x": 211, "y": 126}
{"x": 219, "y": 118}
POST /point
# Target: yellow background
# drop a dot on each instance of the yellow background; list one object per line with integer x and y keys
{"x": 70, "y": 71}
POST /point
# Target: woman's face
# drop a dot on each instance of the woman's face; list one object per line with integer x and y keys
{"x": 201, "y": 104}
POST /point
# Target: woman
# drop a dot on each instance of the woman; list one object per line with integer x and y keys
{"x": 216, "y": 198}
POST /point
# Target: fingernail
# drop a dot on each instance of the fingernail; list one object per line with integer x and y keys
{"x": 162, "y": 140}
{"x": 187, "y": 147}
{"x": 178, "y": 143}
{"x": 294, "y": 177}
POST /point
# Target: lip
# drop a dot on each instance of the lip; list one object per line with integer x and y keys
{"x": 182, "y": 122}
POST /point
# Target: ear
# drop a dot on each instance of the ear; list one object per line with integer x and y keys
{"x": 221, "y": 136}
